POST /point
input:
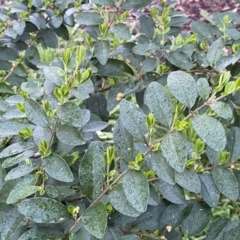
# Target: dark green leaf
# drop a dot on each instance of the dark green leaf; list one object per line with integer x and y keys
{"x": 198, "y": 219}
{"x": 129, "y": 4}
{"x": 233, "y": 140}
{"x": 16, "y": 148}
{"x": 226, "y": 182}
{"x": 102, "y": 51}
{"x": 92, "y": 170}
{"x": 136, "y": 189}
{"x": 209, "y": 191}
{"x": 121, "y": 30}
{"x": 46, "y": 232}
{"x": 217, "y": 228}
{"x": 81, "y": 233}
{"x": 57, "y": 168}
{"x": 118, "y": 200}
{"x": 189, "y": 180}
{"x": 133, "y": 120}
{"x": 114, "y": 68}
{"x": 49, "y": 37}
{"x": 222, "y": 109}
{"x": 70, "y": 114}
{"x": 52, "y": 75}
{"x": 8, "y": 54}
{"x": 62, "y": 32}
{"x": 154, "y": 198}
{"x": 95, "y": 220}
{"x": 173, "y": 193}
{"x": 232, "y": 231}
{"x": 5, "y": 88}
{"x": 180, "y": 59}
{"x": 40, "y": 134}
{"x": 83, "y": 90}
{"x": 183, "y": 87}
{"x": 212, "y": 156}
{"x": 145, "y": 48}
{"x": 94, "y": 126}
{"x": 210, "y": 131}
{"x": 35, "y": 113}
{"x": 159, "y": 103}
{"x": 10, "y": 128}
{"x": 104, "y": 2}
{"x": 51, "y": 191}
{"x": 56, "y": 21}
{"x": 162, "y": 168}
{"x": 147, "y": 25}
{"x": 130, "y": 237}
{"x": 89, "y": 18}
{"x": 203, "y": 88}
{"x": 5, "y": 65}
{"x": 38, "y": 20}
{"x": 174, "y": 149}
{"x": 149, "y": 64}
{"x": 215, "y": 51}
{"x": 112, "y": 234}
{"x": 43, "y": 210}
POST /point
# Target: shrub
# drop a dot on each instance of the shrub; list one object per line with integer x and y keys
{"x": 75, "y": 167}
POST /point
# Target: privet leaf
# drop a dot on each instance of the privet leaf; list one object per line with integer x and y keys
{"x": 43, "y": 210}
{"x": 70, "y": 114}
{"x": 232, "y": 231}
{"x": 52, "y": 75}
{"x": 95, "y": 219}
{"x": 35, "y": 113}
{"x": 189, "y": 180}
{"x": 203, "y": 88}
{"x": 92, "y": 170}
{"x": 136, "y": 189}
{"x": 133, "y": 120}
{"x": 89, "y": 18}
{"x": 119, "y": 201}
{"x": 215, "y": 51}
{"x": 123, "y": 142}
{"x": 10, "y": 128}
{"x": 226, "y": 182}
{"x": 211, "y": 131}
{"x": 173, "y": 193}
{"x": 180, "y": 59}
{"x": 102, "y": 51}
{"x": 162, "y": 168}
{"x": 129, "y": 4}
{"x": 174, "y": 149}
{"x": 121, "y": 30}
{"x": 57, "y": 168}
{"x": 104, "y": 2}
{"x": 159, "y": 103}
{"x": 81, "y": 233}
{"x": 183, "y": 87}
{"x": 209, "y": 191}
{"x": 222, "y": 109}
{"x": 198, "y": 219}
{"x": 147, "y": 25}
{"x": 233, "y": 140}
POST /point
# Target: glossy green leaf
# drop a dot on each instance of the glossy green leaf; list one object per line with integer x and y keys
{"x": 35, "y": 113}
{"x": 130, "y": 237}
{"x": 89, "y": 18}
{"x": 129, "y": 4}
{"x": 161, "y": 167}
{"x": 136, "y": 189}
{"x": 81, "y": 233}
{"x": 38, "y": 20}
{"x": 92, "y": 170}
{"x": 180, "y": 59}
{"x": 226, "y": 182}
{"x": 209, "y": 191}
{"x": 203, "y": 88}
{"x": 123, "y": 142}
{"x": 5, "y": 88}
{"x": 189, "y": 180}
{"x": 20, "y": 171}
{"x": 174, "y": 149}
{"x": 10, "y": 128}
{"x": 51, "y": 191}
{"x": 43, "y": 210}
{"x": 222, "y": 109}
{"x": 114, "y": 68}
{"x": 8, "y": 54}
{"x": 70, "y": 114}
{"x": 102, "y": 51}
{"x": 215, "y": 51}
{"x": 46, "y": 232}
{"x": 95, "y": 219}
{"x": 154, "y": 198}
{"x": 173, "y": 193}
{"x": 83, "y": 90}
{"x": 57, "y": 168}
{"x": 16, "y": 148}
{"x": 232, "y": 231}
{"x": 133, "y": 120}
{"x": 150, "y": 64}
{"x": 104, "y": 2}
{"x": 94, "y": 126}
{"x": 49, "y": 37}
{"x": 10, "y": 223}
{"x": 118, "y": 200}
{"x": 217, "y": 228}
{"x": 40, "y": 134}
{"x": 198, "y": 219}
{"x": 145, "y": 48}
{"x": 52, "y": 75}
{"x": 183, "y": 87}
{"x": 233, "y": 139}
{"x": 210, "y": 131}
{"x": 121, "y": 30}
{"x": 56, "y": 21}
{"x": 18, "y": 192}
{"x": 70, "y": 135}
{"x": 159, "y": 103}
{"x": 147, "y": 25}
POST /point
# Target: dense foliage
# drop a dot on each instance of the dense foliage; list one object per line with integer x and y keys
{"x": 117, "y": 129}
